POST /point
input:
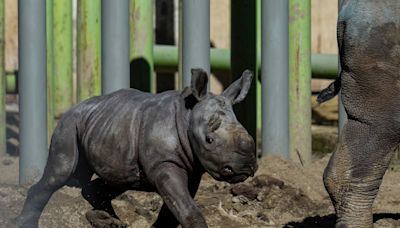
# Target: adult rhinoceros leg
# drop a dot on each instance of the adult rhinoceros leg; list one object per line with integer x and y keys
{"x": 355, "y": 171}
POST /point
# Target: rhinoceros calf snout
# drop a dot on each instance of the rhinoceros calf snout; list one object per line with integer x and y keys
{"x": 228, "y": 170}
{"x": 239, "y": 169}
{"x": 229, "y": 175}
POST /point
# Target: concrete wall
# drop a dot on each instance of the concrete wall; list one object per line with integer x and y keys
{"x": 324, "y": 15}
{"x": 11, "y": 30}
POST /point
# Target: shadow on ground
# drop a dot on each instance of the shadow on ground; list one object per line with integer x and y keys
{"x": 12, "y": 133}
{"x": 314, "y": 222}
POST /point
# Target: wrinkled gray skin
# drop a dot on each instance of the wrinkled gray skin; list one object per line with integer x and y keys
{"x": 369, "y": 45}
{"x": 139, "y": 141}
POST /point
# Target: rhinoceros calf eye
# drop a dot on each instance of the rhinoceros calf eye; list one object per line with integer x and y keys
{"x": 209, "y": 140}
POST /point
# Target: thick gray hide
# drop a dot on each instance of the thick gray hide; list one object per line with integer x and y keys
{"x": 369, "y": 45}
{"x": 139, "y": 141}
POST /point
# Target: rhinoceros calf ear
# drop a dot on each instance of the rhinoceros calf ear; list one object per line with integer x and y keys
{"x": 199, "y": 83}
{"x": 238, "y": 90}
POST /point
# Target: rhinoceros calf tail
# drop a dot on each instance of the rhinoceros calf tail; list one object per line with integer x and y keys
{"x": 329, "y": 92}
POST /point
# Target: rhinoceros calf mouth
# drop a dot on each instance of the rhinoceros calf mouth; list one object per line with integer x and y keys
{"x": 237, "y": 178}
{"x": 230, "y": 176}
{"x": 227, "y": 171}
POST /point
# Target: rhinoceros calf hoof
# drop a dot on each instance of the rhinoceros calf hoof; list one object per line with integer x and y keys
{"x": 101, "y": 219}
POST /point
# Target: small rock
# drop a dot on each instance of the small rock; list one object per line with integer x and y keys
{"x": 7, "y": 162}
{"x": 263, "y": 217}
{"x": 100, "y": 219}
{"x": 246, "y": 190}
{"x": 265, "y": 180}
{"x": 240, "y": 199}
{"x": 261, "y": 196}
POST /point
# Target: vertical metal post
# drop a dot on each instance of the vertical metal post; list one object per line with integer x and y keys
{"x": 258, "y": 81}
{"x": 141, "y": 51}
{"x": 244, "y": 56}
{"x": 3, "y": 143}
{"x": 275, "y": 85}
{"x": 88, "y": 49}
{"x": 300, "y": 80}
{"x": 50, "y": 67}
{"x": 62, "y": 35}
{"x": 32, "y": 89}
{"x": 195, "y": 37}
{"x": 114, "y": 45}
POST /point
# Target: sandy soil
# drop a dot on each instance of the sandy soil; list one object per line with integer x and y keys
{"x": 282, "y": 194}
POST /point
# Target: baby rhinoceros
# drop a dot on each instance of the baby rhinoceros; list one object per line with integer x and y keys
{"x": 140, "y": 141}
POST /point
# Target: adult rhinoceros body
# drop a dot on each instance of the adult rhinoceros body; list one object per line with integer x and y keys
{"x": 369, "y": 46}
{"x": 139, "y": 141}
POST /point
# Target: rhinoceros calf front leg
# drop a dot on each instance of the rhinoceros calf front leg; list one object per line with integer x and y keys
{"x": 165, "y": 218}
{"x": 355, "y": 171}
{"x": 172, "y": 185}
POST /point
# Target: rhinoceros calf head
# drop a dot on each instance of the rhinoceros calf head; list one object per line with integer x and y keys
{"x": 222, "y": 145}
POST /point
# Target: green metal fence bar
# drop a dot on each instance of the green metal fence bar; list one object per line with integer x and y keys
{"x": 141, "y": 48}
{"x": 220, "y": 60}
{"x": 244, "y": 56}
{"x": 324, "y": 65}
{"x": 62, "y": 35}
{"x": 166, "y": 59}
{"x": 50, "y": 66}
{"x": 88, "y": 49}
{"x": 3, "y": 143}
{"x": 300, "y": 80}
{"x": 11, "y": 82}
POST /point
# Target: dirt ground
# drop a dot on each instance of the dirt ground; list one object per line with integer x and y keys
{"x": 282, "y": 193}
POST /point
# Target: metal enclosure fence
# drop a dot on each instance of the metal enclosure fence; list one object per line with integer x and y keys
{"x": 115, "y": 49}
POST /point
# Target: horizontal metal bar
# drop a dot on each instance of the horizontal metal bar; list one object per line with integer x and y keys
{"x": 324, "y": 65}
{"x": 11, "y": 82}
{"x": 166, "y": 60}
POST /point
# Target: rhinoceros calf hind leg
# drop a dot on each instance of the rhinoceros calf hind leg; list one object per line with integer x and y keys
{"x": 355, "y": 171}
{"x": 60, "y": 166}
{"x": 99, "y": 194}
